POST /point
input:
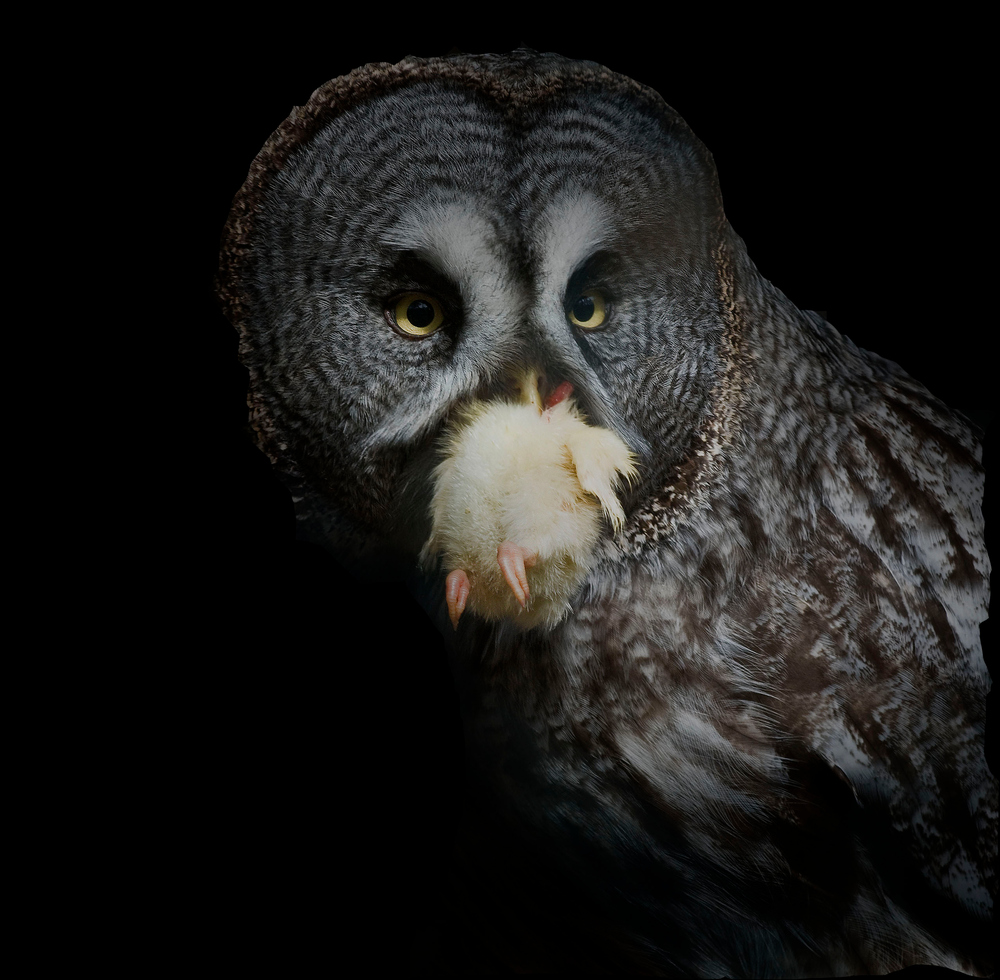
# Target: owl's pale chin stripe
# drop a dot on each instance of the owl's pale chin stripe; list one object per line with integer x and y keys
{"x": 414, "y": 419}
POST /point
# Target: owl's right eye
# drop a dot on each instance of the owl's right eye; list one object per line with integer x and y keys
{"x": 589, "y": 311}
{"x": 415, "y": 314}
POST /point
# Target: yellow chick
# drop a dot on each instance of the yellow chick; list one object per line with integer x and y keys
{"x": 518, "y": 502}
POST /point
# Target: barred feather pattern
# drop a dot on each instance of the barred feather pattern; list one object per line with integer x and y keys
{"x": 755, "y": 744}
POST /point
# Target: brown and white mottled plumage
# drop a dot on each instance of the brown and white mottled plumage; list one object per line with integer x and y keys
{"x": 753, "y": 745}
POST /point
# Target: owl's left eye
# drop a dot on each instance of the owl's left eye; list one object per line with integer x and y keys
{"x": 589, "y": 310}
{"x": 415, "y": 314}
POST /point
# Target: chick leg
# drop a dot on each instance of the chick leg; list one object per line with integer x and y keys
{"x": 456, "y": 592}
{"x": 513, "y": 559}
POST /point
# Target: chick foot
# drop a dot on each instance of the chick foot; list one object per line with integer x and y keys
{"x": 456, "y": 593}
{"x": 513, "y": 560}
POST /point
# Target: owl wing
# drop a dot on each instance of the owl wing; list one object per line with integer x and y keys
{"x": 872, "y": 635}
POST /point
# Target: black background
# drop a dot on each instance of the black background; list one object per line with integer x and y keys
{"x": 318, "y": 746}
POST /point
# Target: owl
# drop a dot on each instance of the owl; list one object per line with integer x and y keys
{"x": 709, "y": 576}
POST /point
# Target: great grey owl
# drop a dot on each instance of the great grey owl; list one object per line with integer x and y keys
{"x": 710, "y": 576}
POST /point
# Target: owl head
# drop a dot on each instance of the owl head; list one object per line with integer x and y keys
{"x": 420, "y": 234}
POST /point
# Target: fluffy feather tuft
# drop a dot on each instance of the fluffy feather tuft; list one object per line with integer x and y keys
{"x": 540, "y": 480}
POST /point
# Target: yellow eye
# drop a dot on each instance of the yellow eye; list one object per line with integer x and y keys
{"x": 589, "y": 311}
{"x": 416, "y": 314}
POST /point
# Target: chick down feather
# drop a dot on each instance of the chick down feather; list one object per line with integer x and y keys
{"x": 518, "y": 506}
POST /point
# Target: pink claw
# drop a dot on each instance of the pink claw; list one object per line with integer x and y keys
{"x": 456, "y": 592}
{"x": 513, "y": 559}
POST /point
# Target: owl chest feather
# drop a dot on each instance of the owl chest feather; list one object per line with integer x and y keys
{"x": 775, "y": 688}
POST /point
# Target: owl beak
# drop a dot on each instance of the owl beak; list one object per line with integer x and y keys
{"x": 533, "y": 389}
{"x": 527, "y": 386}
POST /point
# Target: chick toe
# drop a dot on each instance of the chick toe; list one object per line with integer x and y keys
{"x": 513, "y": 560}
{"x": 456, "y": 591}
